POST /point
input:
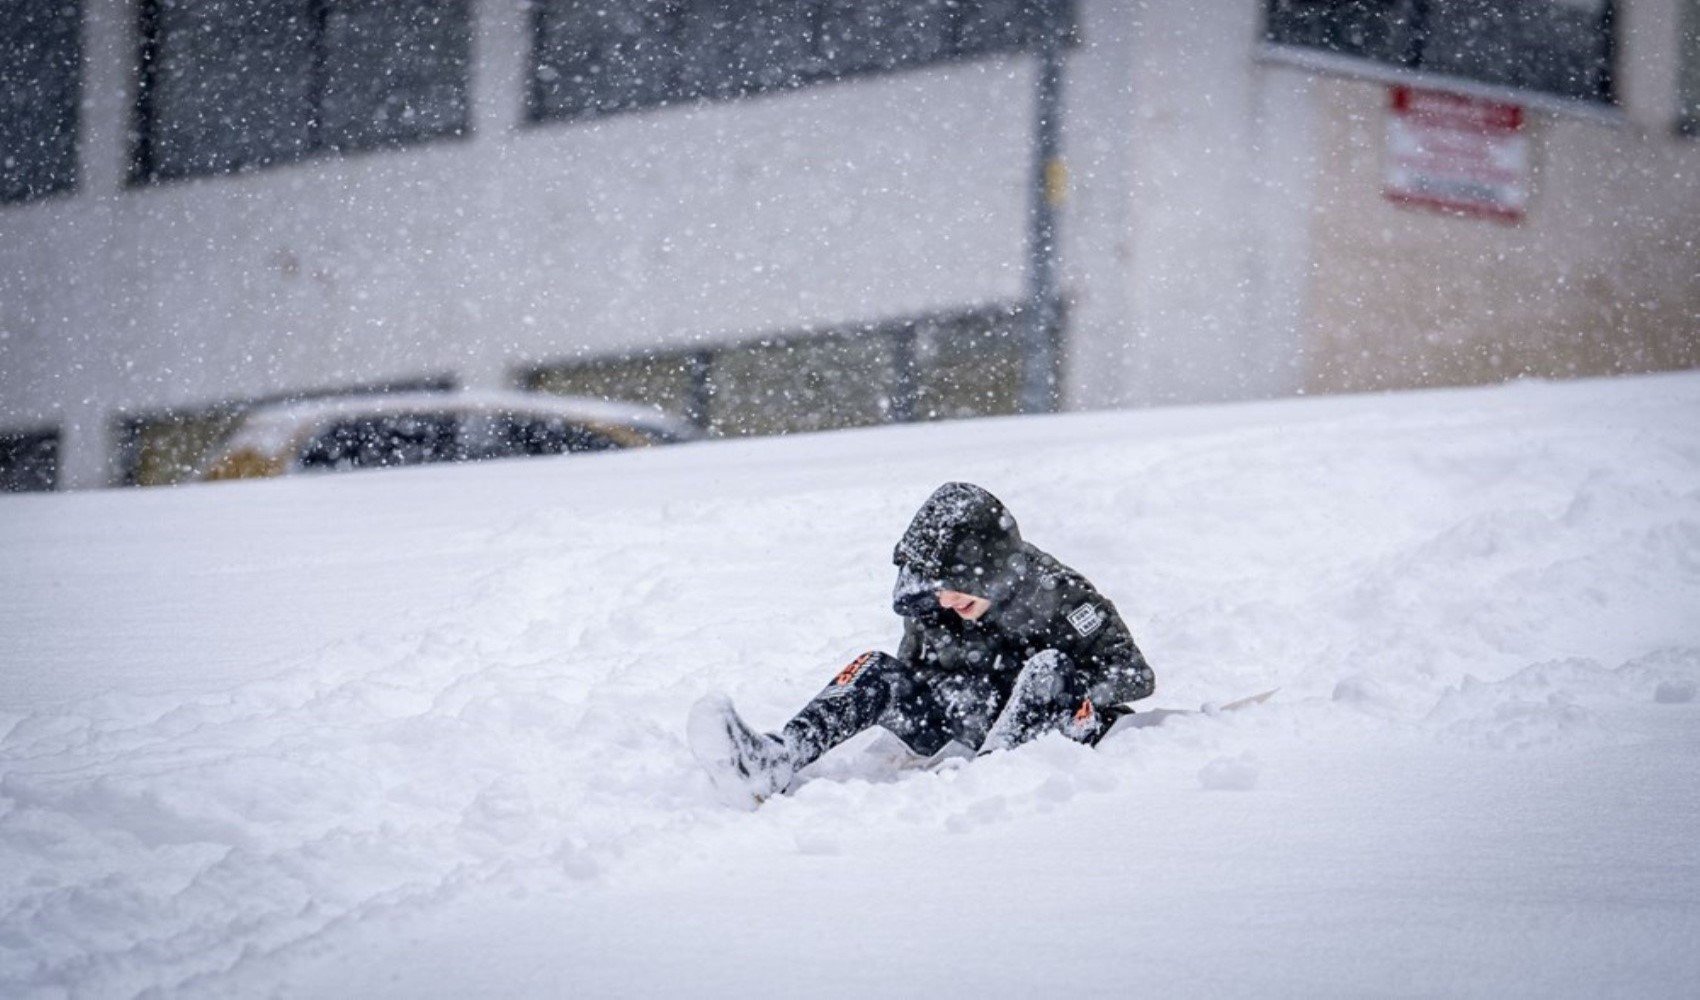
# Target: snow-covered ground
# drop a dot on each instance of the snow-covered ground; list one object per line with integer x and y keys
{"x": 419, "y": 733}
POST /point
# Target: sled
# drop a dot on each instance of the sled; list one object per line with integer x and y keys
{"x": 1146, "y": 719}
{"x": 955, "y": 755}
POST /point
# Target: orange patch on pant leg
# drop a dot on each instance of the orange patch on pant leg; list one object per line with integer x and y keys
{"x": 849, "y": 673}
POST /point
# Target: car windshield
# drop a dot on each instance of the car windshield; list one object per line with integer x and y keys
{"x": 384, "y": 440}
{"x": 388, "y": 440}
{"x": 517, "y": 434}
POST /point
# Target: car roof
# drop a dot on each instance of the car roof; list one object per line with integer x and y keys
{"x": 273, "y": 425}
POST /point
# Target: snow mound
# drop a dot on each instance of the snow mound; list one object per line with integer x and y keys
{"x": 1513, "y": 714}
{"x": 1230, "y": 774}
{"x": 421, "y": 733}
{"x": 1674, "y": 692}
{"x": 1558, "y": 701}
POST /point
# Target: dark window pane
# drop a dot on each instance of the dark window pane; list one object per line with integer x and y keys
{"x": 231, "y": 85}
{"x": 1383, "y": 30}
{"x": 597, "y": 56}
{"x": 1562, "y": 47}
{"x": 770, "y": 45}
{"x": 1006, "y": 25}
{"x": 40, "y": 70}
{"x": 394, "y": 71}
{"x": 401, "y": 439}
{"x": 1556, "y": 46}
{"x": 708, "y": 37}
{"x": 858, "y": 36}
{"x": 228, "y": 84}
{"x": 734, "y": 47}
{"x": 28, "y": 462}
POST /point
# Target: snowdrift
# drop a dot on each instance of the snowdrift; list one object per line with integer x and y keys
{"x": 419, "y": 733}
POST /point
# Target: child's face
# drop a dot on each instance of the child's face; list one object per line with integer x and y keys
{"x": 966, "y": 605}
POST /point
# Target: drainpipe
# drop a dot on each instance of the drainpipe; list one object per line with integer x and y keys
{"x": 1039, "y": 335}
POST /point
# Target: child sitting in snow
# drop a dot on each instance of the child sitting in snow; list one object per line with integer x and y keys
{"x": 1001, "y": 643}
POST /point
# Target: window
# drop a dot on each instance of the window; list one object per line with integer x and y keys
{"x": 40, "y": 85}
{"x": 1688, "y": 120}
{"x": 231, "y": 84}
{"x": 946, "y": 366}
{"x": 804, "y": 384}
{"x": 1559, "y": 47}
{"x": 971, "y": 367}
{"x": 672, "y": 383}
{"x": 29, "y": 462}
{"x": 594, "y": 57}
{"x": 167, "y": 448}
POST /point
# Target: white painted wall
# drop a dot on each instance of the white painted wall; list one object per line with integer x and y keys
{"x": 873, "y": 198}
{"x": 1185, "y": 240}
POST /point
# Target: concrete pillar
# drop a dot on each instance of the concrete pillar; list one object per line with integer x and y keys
{"x": 1283, "y": 144}
{"x": 1649, "y": 39}
{"x": 501, "y": 53}
{"x": 87, "y": 458}
{"x": 110, "y": 53}
{"x": 501, "y": 57}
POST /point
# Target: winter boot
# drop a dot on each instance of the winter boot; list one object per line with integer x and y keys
{"x": 746, "y": 767}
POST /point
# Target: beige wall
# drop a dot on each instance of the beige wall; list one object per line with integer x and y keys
{"x": 1602, "y": 276}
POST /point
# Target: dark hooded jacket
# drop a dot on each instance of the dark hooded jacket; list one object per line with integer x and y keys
{"x": 964, "y": 539}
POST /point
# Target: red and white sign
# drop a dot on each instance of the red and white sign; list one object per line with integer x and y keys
{"x": 1457, "y": 153}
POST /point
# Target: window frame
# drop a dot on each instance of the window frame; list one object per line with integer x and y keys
{"x": 1610, "y": 111}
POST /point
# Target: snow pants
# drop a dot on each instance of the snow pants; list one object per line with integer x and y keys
{"x": 926, "y": 709}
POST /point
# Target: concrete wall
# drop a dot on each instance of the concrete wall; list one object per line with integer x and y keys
{"x": 1601, "y": 276}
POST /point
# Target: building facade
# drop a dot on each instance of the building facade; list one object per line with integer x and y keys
{"x": 776, "y": 216}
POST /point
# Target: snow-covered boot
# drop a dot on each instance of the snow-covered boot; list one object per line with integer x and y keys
{"x": 745, "y": 766}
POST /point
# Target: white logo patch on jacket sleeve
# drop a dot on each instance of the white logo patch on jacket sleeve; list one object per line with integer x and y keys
{"x": 1086, "y": 619}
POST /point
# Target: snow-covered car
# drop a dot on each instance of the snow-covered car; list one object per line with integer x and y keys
{"x": 381, "y": 431}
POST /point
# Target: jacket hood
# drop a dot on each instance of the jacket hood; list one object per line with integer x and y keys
{"x": 962, "y": 539}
